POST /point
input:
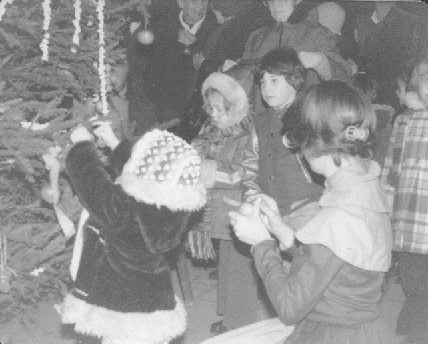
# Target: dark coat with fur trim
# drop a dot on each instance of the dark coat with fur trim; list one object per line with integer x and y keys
{"x": 123, "y": 268}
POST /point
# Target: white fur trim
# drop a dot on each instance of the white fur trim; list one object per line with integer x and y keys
{"x": 117, "y": 327}
{"x": 231, "y": 90}
{"x": 171, "y": 195}
{"x": 413, "y": 101}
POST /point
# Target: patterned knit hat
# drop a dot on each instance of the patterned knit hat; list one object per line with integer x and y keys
{"x": 164, "y": 170}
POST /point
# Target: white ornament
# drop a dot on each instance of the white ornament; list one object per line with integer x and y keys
{"x": 146, "y": 37}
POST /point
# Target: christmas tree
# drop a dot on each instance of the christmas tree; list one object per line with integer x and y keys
{"x": 61, "y": 65}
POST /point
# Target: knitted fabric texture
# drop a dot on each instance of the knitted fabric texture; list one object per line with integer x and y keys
{"x": 164, "y": 170}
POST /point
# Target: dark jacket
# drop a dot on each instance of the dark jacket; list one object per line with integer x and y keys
{"x": 390, "y": 48}
{"x": 273, "y": 169}
{"x": 161, "y": 75}
{"x": 123, "y": 276}
{"x": 227, "y": 42}
{"x": 170, "y": 73}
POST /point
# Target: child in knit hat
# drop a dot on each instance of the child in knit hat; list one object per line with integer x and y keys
{"x": 123, "y": 291}
{"x": 221, "y": 143}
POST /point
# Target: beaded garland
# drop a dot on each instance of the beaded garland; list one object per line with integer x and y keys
{"x": 76, "y": 22}
{"x": 101, "y": 56}
{"x": 46, "y": 22}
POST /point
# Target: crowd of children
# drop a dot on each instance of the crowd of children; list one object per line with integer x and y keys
{"x": 309, "y": 185}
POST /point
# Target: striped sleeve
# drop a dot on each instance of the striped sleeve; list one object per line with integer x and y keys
{"x": 229, "y": 173}
{"x": 250, "y": 165}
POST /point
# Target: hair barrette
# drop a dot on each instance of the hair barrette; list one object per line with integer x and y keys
{"x": 353, "y": 133}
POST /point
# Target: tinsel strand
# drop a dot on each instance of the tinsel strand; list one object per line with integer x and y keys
{"x": 101, "y": 57}
{"x": 76, "y": 21}
{"x": 3, "y": 7}
{"x": 46, "y": 22}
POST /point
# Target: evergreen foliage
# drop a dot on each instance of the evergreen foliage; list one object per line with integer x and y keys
{"x": 40, "y": 101}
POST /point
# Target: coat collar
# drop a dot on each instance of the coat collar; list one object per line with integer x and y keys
{"x": 356, "y": 185}
{"x": 194, "y": 27}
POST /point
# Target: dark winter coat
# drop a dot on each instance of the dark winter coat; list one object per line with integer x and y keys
{"x": 227, "y": 42}
{"x": 123, "y": 285}
{"x": 390, "y": 48}
{"x": 272, "y": 169}
{"x": 170, "y": 73}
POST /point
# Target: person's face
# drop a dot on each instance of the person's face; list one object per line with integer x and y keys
{"x": 423, "y": 83}
{"x": 218, "y": 112}
{"x": 193, "y": 10}
{"x": 281, "y": 10}
{"x": 276, "y": 91}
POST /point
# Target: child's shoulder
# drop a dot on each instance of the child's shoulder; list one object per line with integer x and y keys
{"x": 384, "y": 114}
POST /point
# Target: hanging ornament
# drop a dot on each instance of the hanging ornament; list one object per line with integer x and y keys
{"x": 51, "y": 193}
{"x": 47, "y": 193}
{"x": 5, "y": 271}
{"x": 3, "y": 7}
{"x": 46, "y": 22}
{"x": 76, "y": 22}
{"x": 146, "y": 36}
{"x": 101, "y": 56}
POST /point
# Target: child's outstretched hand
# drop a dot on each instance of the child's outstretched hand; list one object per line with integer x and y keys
{"x": 250, "y": 228}
{"x": 80, "y": 134}
{"x": 276, "y": 226}
{"x": 104, "y": 131}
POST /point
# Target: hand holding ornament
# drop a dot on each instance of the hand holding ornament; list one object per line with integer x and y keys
{"x": 250, "y": 228}
{"x": 275, "y": 224}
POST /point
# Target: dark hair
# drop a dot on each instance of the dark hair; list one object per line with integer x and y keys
{"x": 366, "y": 84}
{"x": 414, "y": 78}
{"x": 327, "y": 110}
{"x": 283, "y": 61}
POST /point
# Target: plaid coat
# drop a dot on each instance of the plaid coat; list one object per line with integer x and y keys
{"x": 405, "y": 177}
